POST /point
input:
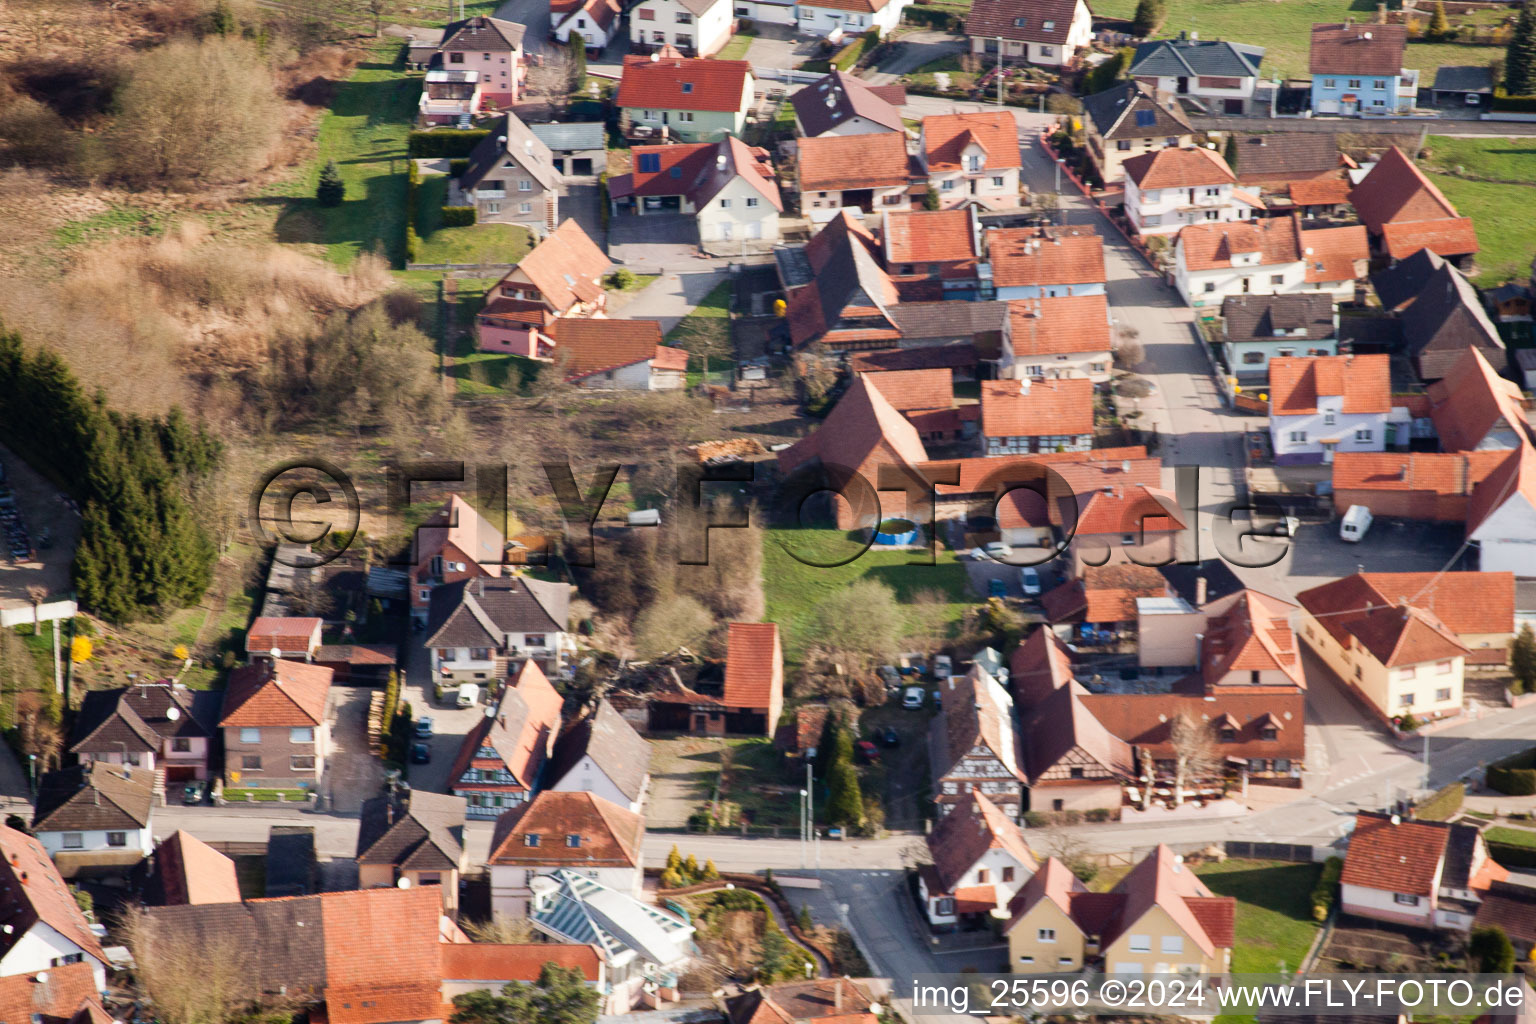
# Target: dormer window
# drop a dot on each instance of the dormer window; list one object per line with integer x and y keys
{"x": 1227, "y": 735}
{"x": 531, "y": 840}
{"x": 1048, "y": 26}
{"x": 687, "y": 87}
{"x": 1268, "y": 733}
{"x": 1019, "y": 22}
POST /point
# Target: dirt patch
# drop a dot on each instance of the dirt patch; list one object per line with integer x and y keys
{"x": 683, "y": 772}
{"x": 1358, "y": 944}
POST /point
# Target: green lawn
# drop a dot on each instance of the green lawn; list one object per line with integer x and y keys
{"x": 736, "y": 49}
{"x": 490, "y": 373}
{"x": 365, "y": 133}
{"x": 1505, "y": 220}
{"x": 1511, "y": 836}
{"x": 474, "y": 243}
{"x": 637, "y": 283}
{"x": 1274, "y": 911}
{"x": 792, "y": 588}
{"x": 1485, "y": 159}
{"x": 706, "y": 331}
{"x": 1284, "y": 29}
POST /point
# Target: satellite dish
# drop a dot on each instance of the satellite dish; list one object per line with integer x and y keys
{"x": 276, "y": 653}
{"x": 404, "y": 883}
{"x": 173, "y": 713}
{"x": 490, "y": 711}
{"x": 42, "y": 977}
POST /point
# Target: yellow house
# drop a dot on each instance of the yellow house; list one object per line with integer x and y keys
{"x": 1401, "y": 658}
{"x": 1160, "y": 919}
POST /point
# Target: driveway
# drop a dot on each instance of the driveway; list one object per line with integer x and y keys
{"x": 352, "y": 773}
{"x": 913, "y": 51}
{"x": 582, "y": 203}
{"x": 671, "y": 297}
{"x": 778, "y": 48}
{"x": 652, "y": 242}
{"x": 450, "y": 724}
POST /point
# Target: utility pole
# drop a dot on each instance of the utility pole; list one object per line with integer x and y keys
{"x": 1000, "y": 70}
{"x": 1426, "y": 761}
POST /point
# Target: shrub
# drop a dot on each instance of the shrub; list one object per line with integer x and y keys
{"x": 622, "y": 278}
{"x": 1327, "y": 888}
{"x": 1514, "y": 776}
{"x": 670, "y": 879}
{"x": 1492, "y": 950}
{"x": 33, "y": 134}
{"x": 458, "y": 166}
{"x": 457, "y": 216}
{"x": 1502, "y": 100}
{"x": 449, "y": 142}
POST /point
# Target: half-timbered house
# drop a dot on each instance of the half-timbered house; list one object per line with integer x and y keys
{"x": 500, "y": 760}
{"x": 972, "y": 746}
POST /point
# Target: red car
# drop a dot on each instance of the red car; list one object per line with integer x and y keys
{"x": 867, "y": 750}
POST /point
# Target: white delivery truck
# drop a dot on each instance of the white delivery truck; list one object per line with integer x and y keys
{"x": 1354, "y": 524}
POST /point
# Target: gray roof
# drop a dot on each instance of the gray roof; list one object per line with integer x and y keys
{"x": 136, "y": 717}
{"x": 1195, "y": 57}
{"x": 102, "y": 796}
{"x": 419, "y": 832}
{"x": 1403, "y": 281}
{"x": 281, "y": 942}
{"x": 586, "y": 911}
{"x": 480, "y": 612}
{"x": 291, "y": 860}
{"x": 483, "y": 34}
{"x": 1464, "y": 78}
{"x": 1258, "y": 317}
{"x": 1444, "y": 320}
{"x": 1285, "y": 154}
{"x": 955, "y": 320}
{"x": 613, "y": 744}
{"x": 516, "y": 143}
{"x": 1111, "y": 113}
{"x": 837, "y": 98}
{"x": 570, "y": 136}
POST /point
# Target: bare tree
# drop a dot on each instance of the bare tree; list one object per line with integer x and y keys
{"x": 1129, "y": 353}
{"x": 189, "y": 977}
{"x": 503, "y": 930}
{"x": 1148, "y": 777}
{"x": 548, "y": 81}
{"x": 1069, "y": 848}
{"x": 1194, "y": 754}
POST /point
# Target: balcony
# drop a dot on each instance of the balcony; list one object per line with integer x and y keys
{"x": 1408, "y": 82}
{"x": 490, "y": 193}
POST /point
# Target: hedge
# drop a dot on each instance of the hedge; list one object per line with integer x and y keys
{"x": 458, "y": 166}
{"x": 849, "y": 55}
{"x": 1443, "y": 805}
{"x": 457, "y": 216}
{"x": 933, "y": 17}
{"x": 1514, "y": 776}
{"x": 449, "y": 142}
{"x": 1327, "y": 888}
{"x": 1513, "y": 856}
{"x": 1514, "y": 104}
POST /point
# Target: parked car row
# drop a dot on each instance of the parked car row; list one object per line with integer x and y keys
{"x": 17, "y": 540}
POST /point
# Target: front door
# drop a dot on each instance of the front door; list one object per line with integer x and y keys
{"x": 1183, "y": 85}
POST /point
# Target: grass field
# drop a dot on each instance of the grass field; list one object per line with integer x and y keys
{"x": 473, "y": 243}
{"x": 1285, "y": 30}
{"x": 1511, "y": 836}
{"x": 365, "y": 133}
{"x": 793, "y": 588}
{"x": 1506, "y": 160}
{"x": 1274, "y": 911}
{"x": 736, "y": 49}
{"x": 1506, "y": 225}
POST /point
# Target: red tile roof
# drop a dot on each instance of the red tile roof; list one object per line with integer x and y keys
{"x": 910, "y": 390}
{"x": 1249, "y": 632}
{"x": 1403, "y": 858}
{"x": 870, "y": 160}
{"x": 1017, "y": 408}
{"x": 1466, "y": 602}
{"x": 1178, "y": 168}
{"x": 754, "y": 665}
{"x": 521, "y": 733}
{"x": 1431, "y": 475}
{"x": 1145, "y": 719}
{"x": 929, "y": 236}
{"x": 862, "y": 431}
{"x": 1296, "y": 382}
{"x": 1024, "y": 20}
{"x": 381, "y": 954}
{"x": 1208, "y": 246}
{"x": 1038, "y": 667}
{"x": 1396, "y": 635}
{"x": 1320, "y": 191}
{"x": 517, "y": 311}
{"x": 503, "y": 962}
{"x": 684, "y": 83}
{"x": 1335, "y": 254}
{"x": 590, "y": 346}
{"x": 610, "y": 835}
{"x": 1025, "y": 256}
{"x": 1059, "y": 325}
{"x": 567, "y": 267}
{"x": 53, "y": 996}
{"x": 287, "y": 634}
{"x": 1129, "y": 508}
{"x": 1104, "y": 593}
{"x": 1161, "y": 880}
{"x": 276, "y": 693}
{"x": 699, "y": 171}
{"x": 191, "y": 871}
{"x": 945, "y": 138}
{"x": 1472, "y": 400}
{"x": 1358, "y": 49}
{"x": 1450, "y": 236}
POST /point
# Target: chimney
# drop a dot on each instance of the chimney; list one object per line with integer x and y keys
{"x": 1199, "y": 591}
{"x": 1125, "y": 465}
{"x": 837, "y": 994}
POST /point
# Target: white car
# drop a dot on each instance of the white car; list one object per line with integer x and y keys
{"x": 913, "y": 698}
{"x": 997, "y": 549}
{"x": 943, "y": 667}
{"x": 1030, "y": 580}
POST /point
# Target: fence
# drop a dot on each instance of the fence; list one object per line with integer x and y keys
{"x": 1295, "y": 852}
{"x": 460, "y": 266}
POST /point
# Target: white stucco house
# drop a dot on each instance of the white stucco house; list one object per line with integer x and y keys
{"x": 596, "y": 22}
{"x": 49, "y": 929}
{"x": 1169, "y": 188}
{"x": 1273, "y": 256}
{"x": 727, "y": 186}
{"x": 1501, "y": 516}
{"x": 1320, "y": 405}
{"x": 848, "y": 18}
{"x": 96, "y": 808}
{"x": 695, "y": 27}
{"x": 554, "y": 830}
{"x": 1046, "y": 32}
{"x": 602, "y": 755}
{"x": 1217, "y": 75}
{"x": 980, "y": 860}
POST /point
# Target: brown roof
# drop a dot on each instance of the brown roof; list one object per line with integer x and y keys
{"x": 973, "y": 826}
{"x": 1059, "y": 325}
{"x": 1511, "y": 907}
{"x": 1178, "y": 168}
{"x": 1266, "y": 156}
{"x": 1395, "y": 190}
{"x": 97, "y": 796}
{"x": 503, "y": 962}
{"x": 1027, "y": 256}
{"x": 1431, "y": 474}
{"x": 950, "y": 357}
{"x": 191, "y": 871}
{"x": 1145, "y": 720}
{"x": 590, "y": 347}
{"x": 1024, "y": 20}
{"x": 1318, "y": 191}
{"x": 276, "y": 693}
{"x": 1446, "y": 236}
{"x": 287, "y": 634}
{"x": 521, "y": 733}
{"x": 567, "y": 267}
{"x": 53, "y": 996}
{"x": 1018, "y": 408}
{"x": 1061, "y": 723}
{"x": 946, "y": 137}
{"x": 608, "y": 835}
{"x": 1038, "y": 667}
{"x": 869, "y": 160}
{"x": 839, "y": 98}
{"x": 971, "y": 716}
{"x": 684, "y": 83}
{"x": 822, "y": 1000}
{"x": 754, "y": 665}
{"x": 35, "y": 893}
{"x": 1363, "y": 49}
{"x": 908, "y": 390}
{"x": 1333, "y": 254}
{"x": 618, "y": 751}
{"x": 929, "y": 236}
{"x": 862, "y": 430}
{"x": 517, "y": 311}
{"x": 1208, "y": 246}
{"x": 1402, "y": 858}
{"x": 1466, "y": 602}
{"x": 1104, "y": 593}
{"x": 419, "y": 831}
{"x": 1296, "y": 382}
{"x": 1402, "y": 635}
{"x": 1472, "y": 400}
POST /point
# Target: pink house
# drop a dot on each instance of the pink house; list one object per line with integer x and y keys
{"x": 490, "y": 49}
{"x": 513, "y": 326}
{"x": 455, "y": 543}
{"x": 561, "y": 277}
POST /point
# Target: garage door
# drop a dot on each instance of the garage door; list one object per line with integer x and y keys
{"x": 180, "y": 773}
{"x": 1125, "y": 968}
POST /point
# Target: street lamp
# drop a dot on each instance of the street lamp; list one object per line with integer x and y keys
{"x": 803, "y": 795}
{"x": 1059, "y": 162}
{"x": 32, "y": 772}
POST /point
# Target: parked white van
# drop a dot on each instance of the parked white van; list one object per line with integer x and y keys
{"x": 1356, "y": 521}
{"x": 469, "y": 695}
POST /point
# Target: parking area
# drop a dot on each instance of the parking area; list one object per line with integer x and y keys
{"x": 450, "y": 724}
{"x": 1319, "y": 555}
{"x": 778, "y": 47}
{"x": 653, "y": 241}
{"x": 52, "y": 527}
{"x": 983, "y": 571}
{"x": 352, "y": 773}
